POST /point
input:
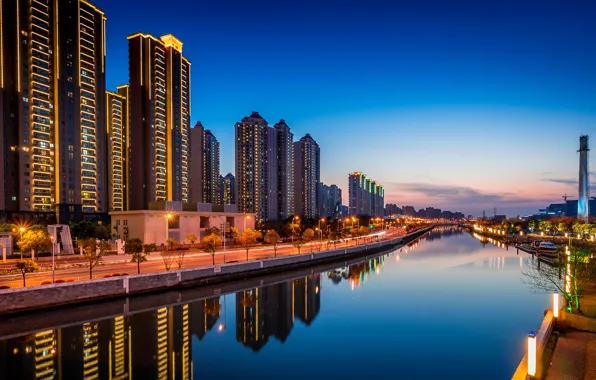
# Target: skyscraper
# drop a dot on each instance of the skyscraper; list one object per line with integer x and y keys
{"x": 307, "y": 173}
{"x": 583, "y": 206}
{"x": 228, "y": 189}
{"x": 211, "y": 184}
{"x": 285, "y": 170}
{"x": 253, "y": 158}
{"x": 117, "y": 129}
{"x": 159, "y": 99}
{"x": 366, "y": 196}
{"x": 52, "y": 91}
{"x": 197, "y": 138}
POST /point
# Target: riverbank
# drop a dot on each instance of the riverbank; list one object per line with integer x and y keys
{"x": 47, "y": 296}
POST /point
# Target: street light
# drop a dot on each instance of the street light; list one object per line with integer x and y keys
{"x": 21, "y": 230}
{"x": 247, "y": 217}
{"x": 321, "y": 231}
{"x": 292, "y": 232}
{"x": 169, "y": 216}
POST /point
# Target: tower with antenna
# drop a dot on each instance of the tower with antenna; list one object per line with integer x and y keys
{"x": 584, "y": 181}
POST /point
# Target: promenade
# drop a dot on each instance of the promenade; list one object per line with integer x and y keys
{"x": 122, "y": 265}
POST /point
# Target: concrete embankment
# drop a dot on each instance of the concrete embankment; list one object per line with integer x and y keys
{"x": 542, "y": 338}
{"x": 46, "y": 296}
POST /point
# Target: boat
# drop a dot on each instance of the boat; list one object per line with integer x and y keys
{"x": 547, "y": 248}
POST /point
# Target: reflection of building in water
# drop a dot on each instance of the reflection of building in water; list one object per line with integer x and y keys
{"x": 359, "y": 273}
{"x": 267, "y": 312}
{"x": 161, "y": 343}
{"x": 78, "y": 349}
{"x": 250, "y": 318}
{"x": 203, "y": 316}
{"x": 439, "y": 232}
{"x": 307, "y": 298}
{"x": 114, "y": 343}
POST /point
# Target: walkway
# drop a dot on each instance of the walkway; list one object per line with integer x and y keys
{"x": 568, "y": 360}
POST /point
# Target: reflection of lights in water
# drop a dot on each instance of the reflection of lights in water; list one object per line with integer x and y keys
{"x": 317, "y": 290}
{"x": 220, "y": 328}
{"x": 521, "y": 261}
{"x": 397, "y": 257}
{"x": 378, "y": 270}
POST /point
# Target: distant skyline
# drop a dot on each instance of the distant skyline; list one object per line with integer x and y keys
{"x": 458, "y": 105}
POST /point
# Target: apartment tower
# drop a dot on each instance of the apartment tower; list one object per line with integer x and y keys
{"x": 117, "y": 129}
{"x": 52, "y": 94}
{"x": 211, "y": 176}
{"x": 253, "y": 156}
{"x": 307, "y": 175}
{"x": 285, "y": 170}
{"x": 159, "y": 97}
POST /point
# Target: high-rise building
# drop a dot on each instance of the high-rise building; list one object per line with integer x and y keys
{"x": 211, "y": 184}
{"x": 197, "y": 142}
{"x": 52, "y": 95}
{"x": 329, "y": 201}
{"x": 307, "y": 174}
{"x": 583, "y": 205}
{"x": 285, "y": 170}
{"x": 159, "y": 98}
{"x": 117, "y": 130}
{"x": 253, "y": 166}
{"x": 367, "y": 197}
{"x": 228, "y": 189}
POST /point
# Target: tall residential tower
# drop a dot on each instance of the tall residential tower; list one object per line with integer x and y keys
{"x": 285, "y": 170}
{"x": 307, "y": 175}
{"x": 52, "y": 95}
{"x": 159, "y": 99}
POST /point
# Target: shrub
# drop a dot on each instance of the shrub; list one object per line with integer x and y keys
{"x": 46, "y": 282}
{"x": 4, "y": 287}
{"x": 59, "y": 281}
{"x": 107, "y": 275}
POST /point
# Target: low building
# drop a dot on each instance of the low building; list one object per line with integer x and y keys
{"x": 155, "y": 226}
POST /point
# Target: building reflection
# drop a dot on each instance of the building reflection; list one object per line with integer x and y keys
{"x": 445, "y": 231}
{"x": 269, "y": 311}
{"x": 157, "y": 344}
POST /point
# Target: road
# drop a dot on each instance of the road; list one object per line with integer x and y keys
{"x": 120, "y": 264}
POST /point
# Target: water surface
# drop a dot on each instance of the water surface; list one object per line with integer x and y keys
{"x": 446, "y": 307}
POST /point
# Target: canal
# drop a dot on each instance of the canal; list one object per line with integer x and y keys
{"x": 447, "y": 306}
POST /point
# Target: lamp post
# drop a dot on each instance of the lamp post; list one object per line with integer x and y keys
{"x": 320, "y": 230}
{"x": 53, "y": 262}
{"x": 21, "y": 230}
{"x": 293, "y": 222}
{"x": 168, "y": 217}
{"x": 247, "y": 217}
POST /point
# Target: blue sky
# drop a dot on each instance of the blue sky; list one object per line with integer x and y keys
{"x": 463, "y": 105}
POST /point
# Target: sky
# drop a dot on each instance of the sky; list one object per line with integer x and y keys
{"x": 461, "y": 105}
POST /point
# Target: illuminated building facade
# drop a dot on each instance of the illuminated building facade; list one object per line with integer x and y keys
{"x": 211, "y": 185}
{"x": 253, "y": 165}
{"x": 228, "y": 189}
{"x": 159, "y": 121}
{"x": 52, "y": 92}
{"x": 285, "y": 170}
{"x": 307, "y": 175}
{"x": 366, "y": 196}
{"x": 117, "y": 129}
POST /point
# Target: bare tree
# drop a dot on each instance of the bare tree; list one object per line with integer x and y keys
{"x": 568, "y": 276}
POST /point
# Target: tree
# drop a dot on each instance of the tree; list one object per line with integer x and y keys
{"x": 7, "y": 227}
{"x": 135, "y": 248}
{"x": 298, "y": 243}
{"x": 363, "y": 231}
{"x": 561, "y": 227}
{"x": 192, "y": 238}
{"x": 308, "y": 235}
{"x": 294, "y": 229}
{"x": 532, "y": 225}
{"x": 26, "y": 266}
{"x": 248, "y": 239}
{"x": 93, "y": 252}
{"x": 168, "y": 259}
{"x": 272, "y": 237}
{"x": 171, "y": 242}
{"x": 545, "y": 225}
{"x": 210, "y": 244}
{"x": 334, "y": 237}
{"x": 568, "y": 276}
{"x": 102, "y": 232}
{"x": 233, "y": 233}
{"x": 37, "y": 240}
{"x": 212, "y": 230}
{"x": 82, "y": 230}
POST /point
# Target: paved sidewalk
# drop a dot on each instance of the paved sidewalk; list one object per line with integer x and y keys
{"x": 568, "y": 360}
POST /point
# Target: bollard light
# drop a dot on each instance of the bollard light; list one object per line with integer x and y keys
{"x": 556, "y": 304}
{"x": 579, "y": 236}
{"x": 542, "y": 233}
{"x": 566, "y": 234}
{"x": 532, "y": 353}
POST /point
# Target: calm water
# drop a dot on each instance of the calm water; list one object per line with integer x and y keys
{"x": 446, "y": 307}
